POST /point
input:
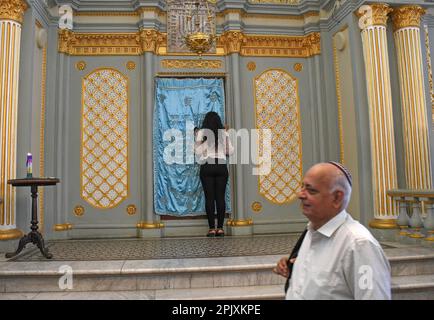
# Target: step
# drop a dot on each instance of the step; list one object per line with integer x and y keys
{"x": 140, "y": 275}
{"x": 224, "y": 293}
{"x": 420, "y": 287}
{"x": 191, "y": 274}
{"x": 410, "y": 260}
{"x": 403, "y": 287}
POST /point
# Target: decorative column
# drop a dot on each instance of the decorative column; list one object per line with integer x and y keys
{"x": 232, "y": 41}
{"x": 406, "y": 24}
{"x": 148, "y": 227}
{"x": 372, "y": 22}
{"x": 11, "y": 18}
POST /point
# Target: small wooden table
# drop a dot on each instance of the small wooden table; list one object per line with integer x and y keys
{"x": 33, "y": 236}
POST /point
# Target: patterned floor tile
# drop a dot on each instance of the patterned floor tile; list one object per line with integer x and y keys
{"x": 166, "y": 248}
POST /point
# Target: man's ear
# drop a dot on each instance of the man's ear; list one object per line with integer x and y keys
{"x": 338, "y": 197}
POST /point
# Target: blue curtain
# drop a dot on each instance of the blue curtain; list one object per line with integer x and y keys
{"x": 181, "y": 105}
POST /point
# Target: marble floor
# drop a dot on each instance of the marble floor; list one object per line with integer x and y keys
{"x": 166, "y": 248}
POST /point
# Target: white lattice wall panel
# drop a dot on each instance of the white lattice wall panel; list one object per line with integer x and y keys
{"x": 104, "y": 148}
{"x": 276, "y": 102}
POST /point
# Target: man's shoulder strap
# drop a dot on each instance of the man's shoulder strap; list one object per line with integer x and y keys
{"x": 294, "y": 254}
{"x": 297, "y": 246}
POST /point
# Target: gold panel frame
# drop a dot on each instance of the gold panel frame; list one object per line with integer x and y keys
{"x": 277, "y": 108}
{"x": 104, "y": 138}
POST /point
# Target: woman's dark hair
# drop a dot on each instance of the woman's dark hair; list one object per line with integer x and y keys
{"x": 213, "y": 122}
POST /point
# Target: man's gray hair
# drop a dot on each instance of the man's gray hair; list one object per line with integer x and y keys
{"x": 340, "y": 182}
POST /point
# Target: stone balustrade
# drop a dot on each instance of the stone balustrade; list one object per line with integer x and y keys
{"x": 416, "y": 213}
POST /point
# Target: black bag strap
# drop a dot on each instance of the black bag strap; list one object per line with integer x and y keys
{"x": 293, "y": 255}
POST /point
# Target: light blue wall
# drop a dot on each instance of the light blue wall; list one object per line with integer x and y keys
{"x": 318, "y": 109}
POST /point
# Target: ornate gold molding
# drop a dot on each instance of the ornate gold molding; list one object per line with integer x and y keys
{"x": 298, "y": 67}
{"x": 281, "y": 46}
{"x": 191, "y": 64}
{"x": 80, "y": 65}
{"x": 339, "y": 99}
{"x": 374, "y": 14}
{"x": 13, "y": 9}
{"x": 79, "y": 211}
{"x": 10, "y": 234}
{"x": 66, "y": 41}
{"x": 63, "y": 227}
{"x": 240, "y": 223}
{"x": 149, "y": 225}
{"x": 232, "y": 41}
{"x": 151, "y": 39}
{"x": 97, "y": 44}
{"x": 131, "y": 209}
{"x": 256, "y": 206}
{"x": 430, "y": 78}
{"x": 147, "y": 40}
{"x": 42, "y": 137}
{"x": 191, "y": 74}
{"x": 251, "y": 66}
{"x": 407, "y": 16}
{"x": 131, "y": 65}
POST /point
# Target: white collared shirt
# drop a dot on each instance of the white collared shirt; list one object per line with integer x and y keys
{"x": 340, "y": 260}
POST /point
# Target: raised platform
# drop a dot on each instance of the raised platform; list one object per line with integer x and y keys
{"x": 221, "y": 275}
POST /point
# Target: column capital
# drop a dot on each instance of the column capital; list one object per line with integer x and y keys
{"x": 232, "y": 41}
{"x": 312, "y": 43}
{"x": 150, "y": 39}
{"x": 407, "y": 16}
{"x": 373, "y": 14}
{"x": 66, "y": 40}
{"x": 13, "y": 9}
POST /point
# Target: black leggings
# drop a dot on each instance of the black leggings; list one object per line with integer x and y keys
{"x": 214, "y": 178}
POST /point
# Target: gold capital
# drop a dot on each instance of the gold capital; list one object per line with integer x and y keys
{"x": 374, "y": 14}
{"x": 232, "y": 41}
{"x": 407, "y": 16}
{"x": 66, "y": 40}
{"x": 312, "y": 43}
{"x": 150, "y": 40}
{"x": 12, "y": 9}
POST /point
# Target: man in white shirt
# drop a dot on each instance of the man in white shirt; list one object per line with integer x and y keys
{"x": 338, "y": 258}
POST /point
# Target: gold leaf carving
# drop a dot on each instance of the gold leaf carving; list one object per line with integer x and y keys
{"x": 13, "y": 9}
{"x": 191, "y": 64}
{"x": 251, "y": 66}
{"x": 407, "y": 16}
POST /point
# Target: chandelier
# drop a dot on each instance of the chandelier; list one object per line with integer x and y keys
{"x": 200, "y": 34}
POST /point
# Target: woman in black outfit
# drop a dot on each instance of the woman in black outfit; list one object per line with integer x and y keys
{"x": 212, "y": 146}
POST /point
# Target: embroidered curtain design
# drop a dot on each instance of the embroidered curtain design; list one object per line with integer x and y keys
{"x": 181, "y": 105}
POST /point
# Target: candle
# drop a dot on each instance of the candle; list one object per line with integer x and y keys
{"x": 29, "y": 165}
